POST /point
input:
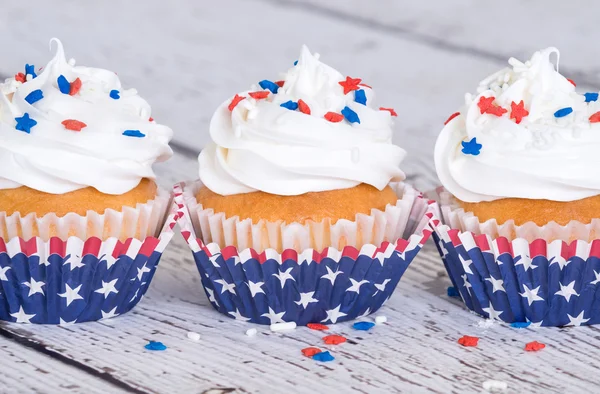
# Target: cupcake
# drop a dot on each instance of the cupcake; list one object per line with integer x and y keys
{"x": 520, "y": 202}
{"x": 300, "y": 213}
{"x": 80, "y": 211}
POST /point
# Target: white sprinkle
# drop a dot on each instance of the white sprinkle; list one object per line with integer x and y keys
{"x": 252, "y": 113}
{"x": 380, "y": 319}
{"x": 28, "y": 77}
{"x": 71, "y": 62}
{"x": 194, "y": 336}
{"x": 495, "y": 385}
{"x": 485, "y": 324}
{"x": 237, "y": 131}
{"x": 355, "y": 155}
{"x": 283, "y": 326}
{"x": 251, "y": 332}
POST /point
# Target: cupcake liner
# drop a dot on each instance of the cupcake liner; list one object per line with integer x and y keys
{"x": 76, "y": 280}
{"x": 304, "y": 286}
{"x": 547, "y": 275}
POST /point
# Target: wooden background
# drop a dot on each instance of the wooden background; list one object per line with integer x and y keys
{"x": 187, "y": 57}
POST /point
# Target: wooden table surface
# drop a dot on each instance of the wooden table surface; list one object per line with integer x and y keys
{"x": 188, "y": 58}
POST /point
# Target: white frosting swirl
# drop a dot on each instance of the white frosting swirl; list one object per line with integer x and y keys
{"x": 545, "y": 156}
{"x": 53, "y": 159}
{"x": 263, "y": 146}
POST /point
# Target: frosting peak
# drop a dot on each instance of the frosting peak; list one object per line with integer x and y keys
{"x": 314, "y": 130}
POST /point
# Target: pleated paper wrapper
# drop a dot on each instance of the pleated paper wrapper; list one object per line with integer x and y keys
{"x": 246, "y": 278}
{"x": 545, "y": 275}
{"x": 81, "y": 268}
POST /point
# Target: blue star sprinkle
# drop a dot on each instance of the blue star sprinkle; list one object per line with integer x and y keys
{"x": 30, "y": 69}
{"x": 25, "y": 123}
{"x": 272, "y": 86}
{"x": 360, "y": 96}
{"x": 452, "y": 292}
{"x": 291, "y": 105}
{"x": 296, "y": 63}
{"x": 63, "y": 85}
{"x": 589, "y": 97}
{"x": 471, "y": 147}
{"x": 561, "y": 113}
{"x": 350, "y": 115}
{"x": 323, "y": 356}
{"x": 155, "y": 346}
{"x": 34, "y": 96}
{"x": 134, "y": 133}
{"x": 115, "y": 94}
{"x": 519, "y": 324}
{"x": 363, "y": 325}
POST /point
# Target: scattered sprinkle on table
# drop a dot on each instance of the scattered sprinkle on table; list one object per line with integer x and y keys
{"x": 363, "y": 325}
{"x": 381, "y": 319}
{"x": 534, "y": 346}
{"x": 520, "y": 324}
{"x": 310, "y": 351}
{"x": 468, "y": 341}
{"x": 334, "y": 339}
{"x": 323, "y": 357}
{"x": 495, "y": 385}
{"x": 317, "y": 326}
{"x": 194, "y": 336}
{"x": 251, "y": 332}
{"x": 152, "y": 345}
{"x": 283, "y": 326}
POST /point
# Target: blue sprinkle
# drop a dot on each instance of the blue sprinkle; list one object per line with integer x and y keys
{"x": 34, "y": 96}
{"x": 589, "y": 97}
{"x": 363, "y": 325}
{"x": 30, "y": 69}
{"x": 360, "y": 96}
{"x": 471, "y": 147}
{"x": 63, "y": 85}
{"x": 561, "y": 113}
{"x": 519, "y": 324}
{"x": 155, "y": 346}
{"x": 134, "y": 133}
{"x": 296, "y": 63}
{"x": 115, "y": 94}
{"x": 25, "y": 123}
{"x": 290, "y": 105}
{"x": 452, "y": 292}
{"x": 272, "y": 86}
{"x": 323, "y": 356}
{"x": 350, "y": 115}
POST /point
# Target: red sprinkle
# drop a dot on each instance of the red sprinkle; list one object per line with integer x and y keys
{"x": 21, "y": 77}
{"x": 454, "y": 115}
{"x": 317, "y": 326}
{"x": 151, "y": 119}
{"x": 75, "y": 86}
{"x": 595, "y": 118}
{"x": 518, "y": 111}
{"x": 485, "y": 103}
{"x": 333, "y": 117}
{"x": 334, "y": 339}
{"x": 303, "y": 107}
{"x": 236, "y": 100}
{"x": 259, "y": 95}
{"x": 365, "y": 85}
{"x": 534, "y": 346}
{"x": 350, "y": 84}
{"x": 390, "y": 110}
{"x": 72, "y": 124}
{"x": 468, "y": 341}
{"x": 310, "y": 351}
{"x": 573, "y": 82}
{"x": 496, "y": 110}
{"x": 279, "y": 83}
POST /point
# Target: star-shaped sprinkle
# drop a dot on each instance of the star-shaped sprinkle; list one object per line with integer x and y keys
{"x": 75, "y": 87}
{"x": 262, "y": 94}
{"x": 134, "y": 133}
{"x": 284, "y": 276}
{"x": 350, "y": 84}
{"x": 291, "y": 105}
{"x": 34, "y": 287}
{"x": 317, "y": 326}
{"x": 577, "y": 321}
{"x": 454, "y": 115}
{"x": 485, "y": 103}
{"x": 561, "y": 113}
{"x": 114, "y": 94}
{"x": 310, "y": 351}
{"x": 25, "y": 123}
{"x": 156, "y": 346}
{"x": 20, "y": 77}
{"x": 63, "y": 84}
{"x": 333, "y": 315}
{"x": 468, "y": 341}
{"x": 534, "y": 346}
{"x": 266, "y": 84}
{"x": 390, "y": 110}
{"x": 334, "y": 339}
{"x": 71, "y": 294}
{"x": 567, "y": 291}
{"x": 334, "y": 117}
{"x": 595, "y": 118}
{"x": 22, "y": 317}
{"x": 531, "y": 295}
{"x": 306, "y": 298}
{"x": 34, "y": 96}
{"x": 363, "y": 325}
{"x": 571, "y": 81}
{"x": 235, "y": 101}
{"x": 30, "y": 70}
{"x": 350, "y": 115}
{"x": 589, "y": 97}
{"x": 496, "y": 110}
{"x": 518, "y": 111}
{"x": 72, "y": 124}
{"x": 360, "y": 97}
{"x": 303, "y": 107}
{"x": 274, "y": 317}
{"x": 280, "y": 83}
{"x": 471, "y": 147}
{"x": 107, "y": 288}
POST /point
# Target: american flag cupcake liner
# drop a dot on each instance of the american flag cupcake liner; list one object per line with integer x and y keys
{"x": 77, "y": 280}
{"x": 305, "y": 286}
{"x": 543, "y": 275}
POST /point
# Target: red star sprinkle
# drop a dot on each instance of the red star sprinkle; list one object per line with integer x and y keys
{"x": 334, "y": 339}
{"x": 365, "y": 85}
{"x": 279, "y": 83}
{"x": 485, "y": 103}
{"x": 151, "y": 119}
{"x": 75, "y": 86}
{"x": 518, "y": 111}
{"x": 262, "y": 94}
{"x": 572, "y": 82}
{"x": 317, "y": 326}
{"x": 468, "y": 341}
{"x": 350, "y": 84}
{"x": 496, "y": 110}
{"x": 236, "y": 100}
{"x": 333, "y": 117}
{"x": 454, "y": 115}
{"x": 534, "y": 346}
{"x": 595, "y": 118}
{"x": 20, "y": 77}
{"x": 390, "y": 110}
{"x": 303, "y": 107}
{"x": 72, "y": 124}
{"x": 310, "y": 351}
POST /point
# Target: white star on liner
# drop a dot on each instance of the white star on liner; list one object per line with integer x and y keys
{"x": 108, "y": 315}
{"x": 274, "y": 317}
{"x": 45, "y": 262}
{"x": 466, "y": 264}
{"x": 255, "y": 287}
{"x": 22, "y": 317}
{"x": 333, "y": 315}
{"x": 66, "y": 323}
{"x": 107, "y": 288}
{"x": 3, "y": 273}
{"x": 306, "y": 298}
{"x": 109, "y": 259}
{"x": 527, "y": 263}
{"x": 562, "y": 263}
{"x": 443, "y": 248}
{"x": 71, "y": 294}
{"x": 355, "y": 287}
{"x": 535, "y": 324}
{"x": 567, "y": 291}
{"x": 284, "y": 276}
{"x": 236, "y": 261}
{"x": 595, "y": 282}
{"x": 137, "y": 292}
{"x": 531, "y": 295}
{"x": 498, "y": 261}
{"x": 237, "y": 316}
{"x": 34, "y": 287}
{"x": 331, "y": 276}
{"x": 381, "y": 286}
{"x": 492, "y": 313}
{"x": 73, "y": 261}
{"x": 230, "y": 287}
{"x": 367, "y": 312}
{"x": 497, "y": 284}
{"x": 211, "y": 296}
{"x": 142, "y": 271}
{"x": 576, "y": 321}
{"x": 466, "y": 280}
{"x": 213, "y": 260}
